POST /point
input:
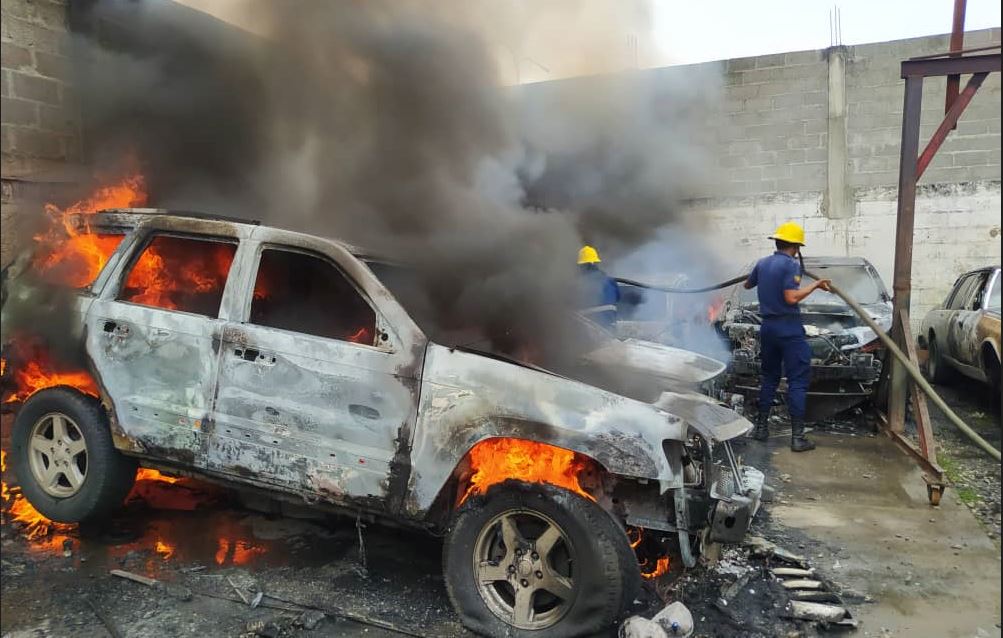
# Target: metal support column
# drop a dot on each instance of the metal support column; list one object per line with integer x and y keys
{"x": 902, "y": 279}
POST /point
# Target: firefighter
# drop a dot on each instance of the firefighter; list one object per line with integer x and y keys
{"x": 599, "y": 294}
{"x": 783, "y": 345}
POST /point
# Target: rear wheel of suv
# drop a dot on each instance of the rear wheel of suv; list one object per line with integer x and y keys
{"x": 535, "y": 560}
{"x": 936, "y": 367}
{"x": 64, "y": 458}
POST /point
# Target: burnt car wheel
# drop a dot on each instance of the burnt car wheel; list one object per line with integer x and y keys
{"x": 64, "y": 458}
{"x": 532, "y": 560}
{"x": 936, "y": 367}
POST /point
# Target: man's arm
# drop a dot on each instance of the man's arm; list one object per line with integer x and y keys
{"x": 752, "y": 279}
{"x": 794, "y": 295}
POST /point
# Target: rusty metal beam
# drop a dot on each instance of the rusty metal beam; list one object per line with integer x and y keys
{"x": 949, "y": 123}
{"x": 927, "y": 67}
{"x": 920, "y": 412}
{"x": 957, "y": 44}
{"x": 933, "y": 474}
{"x": 902, "y": 279}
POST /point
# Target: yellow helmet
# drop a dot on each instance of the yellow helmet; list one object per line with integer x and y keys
{"x": 790, "y": 232}
{"x": 588, "y": 255}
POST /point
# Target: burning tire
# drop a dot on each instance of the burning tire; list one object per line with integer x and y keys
{"x": 530, "y": 560}
{"x": 64, "y": 458}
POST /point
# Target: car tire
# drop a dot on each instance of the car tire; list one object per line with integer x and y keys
{"x": 591, "y": 562}
{"x": 991, "y": 365}
{"x": 936, "y": 367}
{"x": 64, "y": 458}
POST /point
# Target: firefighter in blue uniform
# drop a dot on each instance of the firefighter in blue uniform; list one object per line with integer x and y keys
{"x": 598, "y": 292}
{"x": 783, "y": 345}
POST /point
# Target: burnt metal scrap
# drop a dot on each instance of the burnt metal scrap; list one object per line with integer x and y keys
{"x": 846, "y": 354}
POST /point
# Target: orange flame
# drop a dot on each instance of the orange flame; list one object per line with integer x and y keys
{"x": 635, "y": 535}
{"x": 661, "y": 568}
{"x": 715, "y": 308}
{"x": 170, "y": 269}
{"x": 237, "y": 552}
{"x": 164, "y": 549}
{"x": 34, "y": 526}
{"x": 70, "y": 254}
{"x": 35, "y": 370}
{"x": 496, "y": 460}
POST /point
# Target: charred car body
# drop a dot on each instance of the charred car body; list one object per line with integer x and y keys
{"x": 963, "y": 333}
{"x": 846, "y": 354}
{"x": 277, "y": 361}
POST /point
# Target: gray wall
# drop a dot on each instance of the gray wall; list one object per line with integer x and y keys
{"x": 814, "y": 136}
{"x": 41, "y": 142}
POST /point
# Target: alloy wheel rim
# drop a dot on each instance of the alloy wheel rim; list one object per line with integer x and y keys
{"x": 524, "y": 569}
{"x": 57, "y": 453}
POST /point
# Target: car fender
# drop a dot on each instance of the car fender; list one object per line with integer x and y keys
{"x": 467, "y": 398}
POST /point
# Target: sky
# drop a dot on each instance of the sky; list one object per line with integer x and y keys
{"x": 687, "y": 31}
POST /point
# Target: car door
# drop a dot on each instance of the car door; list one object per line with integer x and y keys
{"x": 964, "y": 329}
{"x": 318, "y": 381}
{"x": 957, "y": 308}
{"x": 150, "y": 337}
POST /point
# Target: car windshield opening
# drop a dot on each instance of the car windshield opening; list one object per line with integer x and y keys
{"x": 857, "y": 281}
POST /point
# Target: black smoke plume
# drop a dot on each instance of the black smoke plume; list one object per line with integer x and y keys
{"x": 385, "y": 124}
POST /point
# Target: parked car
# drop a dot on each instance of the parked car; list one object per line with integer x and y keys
{"x": 963, "y": 333}
{"x": 279, "y": 362}
{"x": 846, "y": 354}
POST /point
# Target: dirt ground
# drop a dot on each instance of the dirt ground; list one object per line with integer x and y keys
{"x": 855, "y": 509}
{"x": 974, "y": 475}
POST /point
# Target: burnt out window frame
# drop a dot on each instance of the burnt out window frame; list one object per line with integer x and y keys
{"x": 959, "y": 287}
{"x": 384, "y": 343}
{"x": 143, "y": 241}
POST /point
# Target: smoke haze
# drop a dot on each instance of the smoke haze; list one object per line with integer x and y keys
{"x": 387, "y": 124}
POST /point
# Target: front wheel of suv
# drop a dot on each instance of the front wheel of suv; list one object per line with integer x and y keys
{"x": 535, "y": 560}
{"x": 64, "y": 458}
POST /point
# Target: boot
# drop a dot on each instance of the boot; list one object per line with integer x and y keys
{"x": 799, "y": 442}
{"x": 762, "y": 430}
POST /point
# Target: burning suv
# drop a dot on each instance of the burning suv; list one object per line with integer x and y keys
{"x": 276, "y": 361}
{"x": 846, "y": 355}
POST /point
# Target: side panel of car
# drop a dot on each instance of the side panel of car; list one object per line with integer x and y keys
{"x": 317, "y": 389}
{"x": 466, "y": 398}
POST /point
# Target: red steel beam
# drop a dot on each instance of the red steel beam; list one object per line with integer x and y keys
{"x": 957, "y": 44}
{"x": 950, "y": 121}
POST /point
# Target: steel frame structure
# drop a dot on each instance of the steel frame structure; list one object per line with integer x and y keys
{"x": 912, "y": 165}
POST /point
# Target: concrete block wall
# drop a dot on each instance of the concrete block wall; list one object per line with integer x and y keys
{"x": 40, "y": 130}
{"x": 773, "y": 158}
{"x": 772, "y": 126}
{"x": 874, "y": 101}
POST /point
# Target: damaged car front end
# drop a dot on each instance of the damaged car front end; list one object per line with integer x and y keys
{"x": 846, "y": 355}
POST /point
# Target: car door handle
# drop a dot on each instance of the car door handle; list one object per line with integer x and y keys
{"x": 363, "y": 411}
{"x": 113, "y": 329}
{"x": 254, "y": 355}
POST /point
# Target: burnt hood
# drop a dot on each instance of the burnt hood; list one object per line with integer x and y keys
{"x": 672, "y": 365}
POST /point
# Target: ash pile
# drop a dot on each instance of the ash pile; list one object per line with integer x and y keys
{"x": 757, "y": 589}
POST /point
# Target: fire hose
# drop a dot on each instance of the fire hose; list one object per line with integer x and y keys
{"x": 889, "y": 343}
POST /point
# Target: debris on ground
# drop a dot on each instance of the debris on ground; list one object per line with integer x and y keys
{"x": 675, "y": 620}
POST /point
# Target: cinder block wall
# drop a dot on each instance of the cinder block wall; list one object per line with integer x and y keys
{"x": 778, "y": 157}
{"x": 41, "y": 140}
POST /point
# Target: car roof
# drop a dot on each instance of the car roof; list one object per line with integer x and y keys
{"x": 982, "y": 269}
{"x": 836, "y": 261}
{"x": 128, "y": 218}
